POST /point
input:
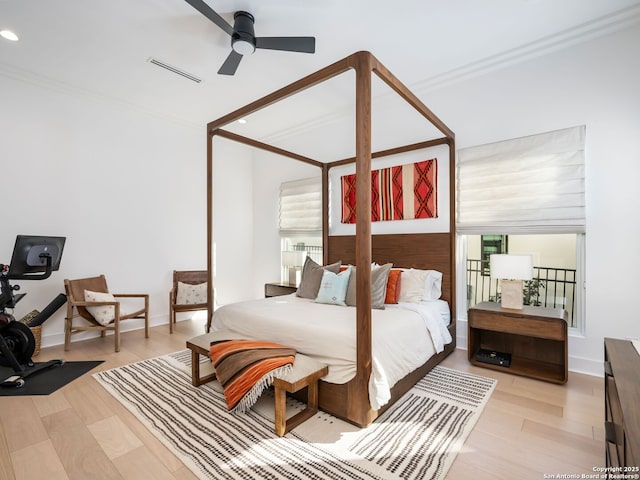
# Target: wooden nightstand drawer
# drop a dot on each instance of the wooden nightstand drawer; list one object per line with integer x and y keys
{"x": 518, "y": 325}
{"x": 534, "y": 338}
{"x": 277, "y": 289}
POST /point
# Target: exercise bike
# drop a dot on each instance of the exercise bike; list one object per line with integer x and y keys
{"x": 17, "y": 342}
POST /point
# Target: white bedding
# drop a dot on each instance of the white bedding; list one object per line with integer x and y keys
{"x": 404, "y": 335}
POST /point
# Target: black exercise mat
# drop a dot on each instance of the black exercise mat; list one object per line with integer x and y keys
{"x": 48, "y": 380}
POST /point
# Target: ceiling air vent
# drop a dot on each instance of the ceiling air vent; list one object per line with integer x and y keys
{"x": 173, "y": 69}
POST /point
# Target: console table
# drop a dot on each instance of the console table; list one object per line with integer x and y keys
{"x": 535, "y": 337}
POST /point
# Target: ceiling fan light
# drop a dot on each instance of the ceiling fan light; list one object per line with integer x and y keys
{"x": 243, "y": 47}
{"x": 9, "y": 35}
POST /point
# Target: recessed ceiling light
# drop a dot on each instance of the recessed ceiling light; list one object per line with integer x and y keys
{"x": 242, "y": 121}
{"x": 9, "y": 35}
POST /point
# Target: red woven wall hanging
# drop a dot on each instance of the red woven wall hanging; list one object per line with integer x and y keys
{"x": 402, "y": 192}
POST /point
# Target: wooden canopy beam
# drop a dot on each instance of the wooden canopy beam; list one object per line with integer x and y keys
{"x": 309, "y": 81}
{"x": 390, "y": 79}
{"x": 265, "y": 146}
{"x": 395, "y": 151}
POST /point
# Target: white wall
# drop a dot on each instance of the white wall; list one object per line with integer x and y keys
{"x": 233, "y": 218}
{"x": 434, "y": 225}
{"x": 126, "y": 188}
{"x": 593, "y": 83}
{"x": 269, "y": 172}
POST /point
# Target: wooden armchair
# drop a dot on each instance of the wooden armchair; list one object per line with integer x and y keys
{"x": 187, "y": 301}
{"x": 92, "y": 301}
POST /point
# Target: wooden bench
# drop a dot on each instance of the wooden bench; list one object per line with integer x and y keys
{"x": 200, "y": 345}
{"x": 305, "y": 373}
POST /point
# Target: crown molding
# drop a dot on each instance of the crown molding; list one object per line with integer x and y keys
{"x": 608, "y": 24}
{"x": 616, "y": 21}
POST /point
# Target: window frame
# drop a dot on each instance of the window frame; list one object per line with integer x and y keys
{"x": 567, "y": 148}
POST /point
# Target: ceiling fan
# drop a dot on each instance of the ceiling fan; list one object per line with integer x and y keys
{"x": 244, "y": 41}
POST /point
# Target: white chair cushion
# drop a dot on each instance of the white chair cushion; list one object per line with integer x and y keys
{"x": 191, "y": 294}
{"x": 104, "y": 314}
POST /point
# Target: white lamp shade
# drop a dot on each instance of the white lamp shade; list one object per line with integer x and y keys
{"x": 512, "y": 267}
{"x": 293, "y": 259}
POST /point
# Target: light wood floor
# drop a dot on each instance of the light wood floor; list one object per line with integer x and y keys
{"x": 528, "y": 428}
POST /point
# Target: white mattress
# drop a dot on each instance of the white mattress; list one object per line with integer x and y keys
{"x": 404, "y": 335}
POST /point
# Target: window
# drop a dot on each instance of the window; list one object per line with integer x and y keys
{"x": 491, "y": 244}
{"x": 301, "y": 206}
{"x": 300, "y": 225}
{"x": 532, "y": 184}
{"x": 525, "y": 195}
{"x": 554, "y": 282}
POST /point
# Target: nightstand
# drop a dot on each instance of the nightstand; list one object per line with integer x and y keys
{"x": 535, "y": 337}
{"x": 276, "y": 289}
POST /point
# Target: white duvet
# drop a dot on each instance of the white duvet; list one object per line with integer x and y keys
{"x": 404, "y": 336}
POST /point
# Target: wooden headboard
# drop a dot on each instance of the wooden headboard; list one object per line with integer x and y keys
{"x": 428, "y": 251}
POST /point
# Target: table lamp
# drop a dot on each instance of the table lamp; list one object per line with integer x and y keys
{"x": 293, "y": 261}
{"x": 511, "y": 270}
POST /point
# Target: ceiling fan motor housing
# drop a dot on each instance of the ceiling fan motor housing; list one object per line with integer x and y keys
{"x": 243, "y": 39}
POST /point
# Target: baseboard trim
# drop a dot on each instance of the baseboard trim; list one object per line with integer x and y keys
{"x": 56, "y": 339}
{"x": 586, "y": 366}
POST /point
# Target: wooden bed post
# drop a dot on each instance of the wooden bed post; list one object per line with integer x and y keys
{"x": 452, "y": 225}
{"x": 325, "y": 214}
{"x": 210, "y": 299}
{"x": 363, "y": 234}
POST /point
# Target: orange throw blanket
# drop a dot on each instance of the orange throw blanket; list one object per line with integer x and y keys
{"x": 245, "y": 368}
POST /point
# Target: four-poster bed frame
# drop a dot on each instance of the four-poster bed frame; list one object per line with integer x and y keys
{"x": 350, "y": 401}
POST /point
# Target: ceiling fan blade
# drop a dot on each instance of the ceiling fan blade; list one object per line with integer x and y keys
{"x": 230, "y": 65}
{"x": 289, "y": 44}
{"x": 208, "y": 12}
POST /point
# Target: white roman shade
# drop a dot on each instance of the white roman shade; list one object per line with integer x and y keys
{"x": 532, "y": 184}
{"x": 301, "y": 206}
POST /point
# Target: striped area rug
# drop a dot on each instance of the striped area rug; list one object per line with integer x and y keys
{"x": 417, "y": 438}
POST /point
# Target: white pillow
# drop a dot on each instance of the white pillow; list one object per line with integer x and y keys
{"x": 412, "y": 285}
{"x": 420, "y": 285}
{"x": 432, "y": 286}
{"x": 191, "y": 294}
{"x": 104, "y": 314}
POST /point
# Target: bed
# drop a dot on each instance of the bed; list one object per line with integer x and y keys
{"x": 405, "y": 335}
{"x": 353, "y": 400}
